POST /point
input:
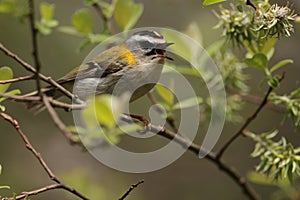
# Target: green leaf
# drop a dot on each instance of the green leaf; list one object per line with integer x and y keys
{"x": 261, "y": 179}
{"x": 47, "y": 11}
{"x": 259, "y": 61}
{"x": 2, "y": 108}
{"x": 194, "y": 101}
{"x": 109, "y": 108}
{"x": 165, "y": 93}
{"x": 12, "y": 92}
{"x": 70, "y": 31}
{"x": 211, "y": 2}
{"x": 274, "y": 82}
{"x": 5, "y": 74}
{"x": 127, "y": 13}
{"x": 4, "y": 187}
{"x": 7, "y": 6}
{"x": 281, "y": 64}
{"x": 82, "y": 21}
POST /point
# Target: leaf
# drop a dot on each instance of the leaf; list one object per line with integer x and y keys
{"x": 7, "y": 6}
{"x": 82, "y": 21}
{"x": 47, "y": 11}
{"x": 109, "y": 108}
{"x": 69, "y": 30}
{"x": 165, "y": 93}
{"x": 127, "y": 13}
{"x": 259, "y": 61}
{"x": 194, "y": 101}
{"x": 281, "y": 64}
{"x": 2, "y": 108}
{"x": 261, "y": 179}
{"x": 211, "y": 2}
{"x": 5, "y": 74}
{"x": 4, "y": 187}
{"x": 12, "y": 92}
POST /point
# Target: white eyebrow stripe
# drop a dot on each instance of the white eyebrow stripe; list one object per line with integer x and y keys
{"x": 147, "y": 38}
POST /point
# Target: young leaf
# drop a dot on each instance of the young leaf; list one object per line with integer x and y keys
{"x": 5, "y": 74}
{"x": 259, "y": 61}
{"x": 194, "y": 101}
{"x": 165, "y": 93}
{"x": 47, "y": 11}
{"x": 211, "y": 2}
{"x": 108, "y": 109}
{"x": 82, "y": 21}
{"x": 281, "y": 64}
{"x": 127, "y": 13}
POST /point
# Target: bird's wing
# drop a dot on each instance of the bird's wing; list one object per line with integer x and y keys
{"x": 107, "y": 62}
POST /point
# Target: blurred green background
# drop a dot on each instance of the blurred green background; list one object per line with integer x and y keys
{"x": 187, "y": 178}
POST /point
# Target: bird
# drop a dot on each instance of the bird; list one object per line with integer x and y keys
{"x": 133, "y": 66}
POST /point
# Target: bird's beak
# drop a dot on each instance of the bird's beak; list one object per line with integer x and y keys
{"x": 164, "y": 45}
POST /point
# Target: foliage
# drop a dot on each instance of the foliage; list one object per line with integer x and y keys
{"x": 5, "y": 74}
{"x": 292, "y": 104}
{"x": 3, "y": 186}
{"x": 279, "y": 160}
{"x": 254, "y": 31}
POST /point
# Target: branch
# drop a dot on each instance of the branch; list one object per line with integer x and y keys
{"x": 249, "y": 3}
{"x": 186, "y": 143}
{"x": 13, "y": 80}
{"x": 132, "y": 187}
{"x": 106, "y": 21}
{"x": 257, "y": 100}
{"x": 248, "y": 121}
{"x": 38, "y": 156}
{"x": 35, "y": 51}
{"x": 49, "y": 80}
{"x": 61, "y": 126}
{"x": 35, "y": 192}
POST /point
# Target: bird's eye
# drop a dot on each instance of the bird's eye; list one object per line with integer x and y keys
{"x": 150, "y": 52}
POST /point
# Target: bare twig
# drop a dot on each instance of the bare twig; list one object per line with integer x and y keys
{"x": 132, "y": 187}
{"x": 39, "y": 157}
{"x": 35, "y": 192}
{"x": 43, "y": 77}
{"x": 13, "y": 80}
{"x": 20, "y": 98}
{"x": 247, "y": 122}
{"x": 62, "y": 127}
{"x": 249, "y": 3}
{"x": 35, "y": 51}
{"x": 106, "y": 21}
{"x": 257, "y": 100}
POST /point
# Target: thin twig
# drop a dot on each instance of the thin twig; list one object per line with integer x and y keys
{"x": 257, "y": 100}
{"x": 35, "y": 51}
{"x": 106, "y": 21}
{"x": 248, "y": 121}
{"x": 249, "y": 3}
{"x": 35, "y": 192}
{"x": 43, "y": 77}
{"x": 62, "y": 127}
{"x": 39, "y": 157}
{"x": 13, "y": 80}
{"x": 132, "y": 187}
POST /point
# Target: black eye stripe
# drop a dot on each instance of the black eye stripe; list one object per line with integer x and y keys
{"x": 146, "y": 44}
